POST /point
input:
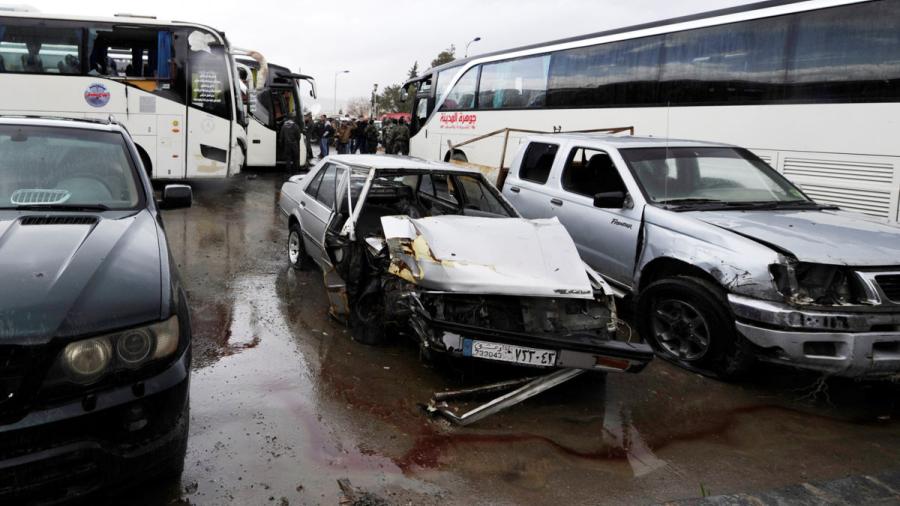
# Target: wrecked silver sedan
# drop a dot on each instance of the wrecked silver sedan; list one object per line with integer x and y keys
{"x": 435, "y": 252}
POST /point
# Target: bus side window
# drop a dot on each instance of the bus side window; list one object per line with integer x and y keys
{"x": 462, "y": 96}
{"x": 30, "y": 47}
{"x": 137, "y": 53}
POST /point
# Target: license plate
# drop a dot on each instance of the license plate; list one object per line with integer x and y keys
{"x": 508, "y": 353}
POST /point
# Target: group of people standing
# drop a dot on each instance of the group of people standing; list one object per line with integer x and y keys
{"x": 396, "y": 137}
{"x": 361, "y": 136}
{"x": 348, "y": 137}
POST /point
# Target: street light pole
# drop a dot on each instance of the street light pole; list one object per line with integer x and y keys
{"x": 374, "y": 95}
{"x": 336, "y": 74}
{"x": 476, "y": 39}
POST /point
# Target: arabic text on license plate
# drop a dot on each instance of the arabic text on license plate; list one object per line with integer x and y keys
{"x": 508, "y": 353}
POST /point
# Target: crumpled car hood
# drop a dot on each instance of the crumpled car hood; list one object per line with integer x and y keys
{"x": 502, "y": 256}
{"x": 826, "y": 237}
{"x": 61, "y": 280}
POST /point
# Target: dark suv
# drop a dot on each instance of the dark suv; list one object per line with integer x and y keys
{"x": 94, "y": 326}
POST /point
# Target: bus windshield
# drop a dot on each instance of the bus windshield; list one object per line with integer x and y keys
{"x": 713, "y": 175}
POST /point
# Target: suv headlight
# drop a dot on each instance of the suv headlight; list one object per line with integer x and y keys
{"x": 819, "y": 284}
{"x": 88, "y": 360}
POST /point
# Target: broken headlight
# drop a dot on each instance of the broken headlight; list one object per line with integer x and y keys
{"x": 819, "y": 284}
{"x": 88, "y": 360}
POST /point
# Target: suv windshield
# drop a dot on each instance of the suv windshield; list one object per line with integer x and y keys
{"x": 61, "y": 168}
{"x": 714, "y": 175}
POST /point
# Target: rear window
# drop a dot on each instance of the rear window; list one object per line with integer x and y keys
{"x": 538, "y": 161}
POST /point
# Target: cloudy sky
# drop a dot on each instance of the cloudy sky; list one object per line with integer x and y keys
{"x": 379, "y": 41}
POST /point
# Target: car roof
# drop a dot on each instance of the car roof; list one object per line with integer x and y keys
{"x": 63, "y": 122}
{"x": 623, "y": 141}
{"x": 394, "y": 162}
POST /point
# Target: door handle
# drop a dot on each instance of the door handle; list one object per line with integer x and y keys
{"x": 256, "y": 141}
{"x": 514, "y": 189}
{"x": 302, "y": 203}
{"x": 556, "y": 202}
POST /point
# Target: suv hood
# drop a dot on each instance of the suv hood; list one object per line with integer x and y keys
{"x": 825, "y": 237}
{"x": 74, "y": 275}
{"x": 502, "y": 256}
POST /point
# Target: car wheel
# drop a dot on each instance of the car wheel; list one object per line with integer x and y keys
{"x": 686, "y": 321}
{"x": 366, "y": 322}
{"x": 296, "y": 253}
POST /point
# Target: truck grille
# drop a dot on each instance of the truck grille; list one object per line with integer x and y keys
{"x": 890, "y": 285}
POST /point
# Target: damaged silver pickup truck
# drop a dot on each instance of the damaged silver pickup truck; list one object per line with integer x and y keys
{"x": 727, "y": 260}
{"x": 435, "y": 252}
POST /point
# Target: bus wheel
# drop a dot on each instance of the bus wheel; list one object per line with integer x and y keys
{"x": 145, "y": 161}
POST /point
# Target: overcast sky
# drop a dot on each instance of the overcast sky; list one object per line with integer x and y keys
{"x": 379, "y": 41}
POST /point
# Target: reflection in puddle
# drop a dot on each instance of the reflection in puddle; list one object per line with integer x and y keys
{"x": 621, "y": 433}
{"x": 257, "y": 413}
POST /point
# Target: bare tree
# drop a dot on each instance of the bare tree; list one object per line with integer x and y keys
{"x": 358, "y": 107}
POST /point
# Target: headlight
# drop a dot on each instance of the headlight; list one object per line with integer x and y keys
{"x": 88, "y": 360}
{"x": 825, "y": 285}
{"x": 134, "y": 346}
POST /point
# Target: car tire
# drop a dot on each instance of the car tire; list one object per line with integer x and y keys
{"x": 686, "y": 321}
{"x": 296, "y": 253}
{"x": 366, "y": 326}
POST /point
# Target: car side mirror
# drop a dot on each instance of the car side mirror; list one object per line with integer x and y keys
{"x": 297, "y": 178}
{"x": 176, "y": 196}
{"x": 610, "y": 200}
{"x": 404, "y": 95}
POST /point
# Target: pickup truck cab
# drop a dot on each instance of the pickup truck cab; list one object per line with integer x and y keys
{"x": 727, "y": 261}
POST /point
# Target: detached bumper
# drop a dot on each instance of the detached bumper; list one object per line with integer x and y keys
{"x": 575, "y": 352}
{"x": 839, "y": 343}
{"x": 65, "y": 451}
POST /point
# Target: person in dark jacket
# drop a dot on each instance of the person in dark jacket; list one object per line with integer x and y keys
{"x": 325, "y": 138}
{"x": 360, "y": 136}
{"x": 371, "y": 138}
{"x": 290, "y": 141}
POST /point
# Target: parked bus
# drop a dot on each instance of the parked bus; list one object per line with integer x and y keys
{"x": 272, "y": 95}
{"x": 170, "y": 83}
{"x": 812, "y": 87}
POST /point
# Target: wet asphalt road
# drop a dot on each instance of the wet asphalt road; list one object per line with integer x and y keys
{"x": 284, "y": 403}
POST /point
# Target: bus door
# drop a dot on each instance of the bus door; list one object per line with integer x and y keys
{"x": 422, "y": 93}
{"x": 286, "y": 102}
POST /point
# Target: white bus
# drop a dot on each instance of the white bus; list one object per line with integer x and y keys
{"x": 172, "y": 84}
{"x": 812, "y": 87}
{"x": 272, "y": 95}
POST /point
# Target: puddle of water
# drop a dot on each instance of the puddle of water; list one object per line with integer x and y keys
{"x": 257, "y": 427}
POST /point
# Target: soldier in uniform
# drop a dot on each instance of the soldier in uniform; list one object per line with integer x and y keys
{"x": 388, "y": 139}
{"x": 290, "y": 142}
{"x": 401, "y": 138}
